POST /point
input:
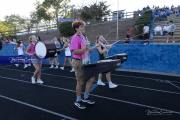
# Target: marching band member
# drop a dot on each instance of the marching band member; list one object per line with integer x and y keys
{"x": 54, "y": 60}
{"x": 37, "y": 62}
{"x": 20, "y": 51}
{"x": 79, "y": 49}
{"x": 102, "y": 50}
{"x": 67, "y": 53}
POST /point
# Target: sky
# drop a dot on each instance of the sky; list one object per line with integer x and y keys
{"x": 25, "y": 7}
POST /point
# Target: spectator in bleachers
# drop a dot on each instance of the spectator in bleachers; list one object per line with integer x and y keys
{"x": 162, "y": 13}
{"x": 158, "y": 29}
{"x": 128, "y": 34}
{"x": 165, "y": 29}
{"x": 177, "y": 12}
{"x": 146, "y": 33}
{"x": 171, "y": 29}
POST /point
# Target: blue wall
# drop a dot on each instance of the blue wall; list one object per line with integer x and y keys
{"x": 152, "y": 57}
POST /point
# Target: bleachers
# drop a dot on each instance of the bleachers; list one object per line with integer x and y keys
{"x": 176, "y": 20}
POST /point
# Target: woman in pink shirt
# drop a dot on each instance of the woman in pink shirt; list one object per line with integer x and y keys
{"x": 37, "y": 62}
{"x": 79, "y": 51}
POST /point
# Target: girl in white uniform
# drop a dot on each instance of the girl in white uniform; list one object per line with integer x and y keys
{"x": 20, "y": 51}
{"x": 67, "y": 53}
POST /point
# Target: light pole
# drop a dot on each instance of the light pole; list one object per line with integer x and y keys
{"x": 73, "y": 12}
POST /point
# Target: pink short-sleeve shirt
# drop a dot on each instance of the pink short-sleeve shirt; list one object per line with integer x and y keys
{"x": 77, "y": 42}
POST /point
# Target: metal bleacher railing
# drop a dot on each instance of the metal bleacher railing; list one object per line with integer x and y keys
{"x": 52, "y": 27}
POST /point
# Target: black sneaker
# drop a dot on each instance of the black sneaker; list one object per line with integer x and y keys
{"x": 80, "y": 105}
{"x": 91, "y": 102}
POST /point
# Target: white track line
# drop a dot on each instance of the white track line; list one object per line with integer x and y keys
{"x": 36, "y": 107}
{"x": 125, "y": 85}
{"x": 174, "y": 85}
{"x": 137, "y": 104}
{"x": 42, "y": 73}
{"x": 102, "y": 97}
{"x": 154, "y": 79}
{"x": 157, "y": 90}
{"x": 128, "y": 76}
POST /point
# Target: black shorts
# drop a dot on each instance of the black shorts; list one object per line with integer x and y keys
{"x": 127, "y": 36}
{"x": 146, "y": 36}
{"x": 171, "y": 33}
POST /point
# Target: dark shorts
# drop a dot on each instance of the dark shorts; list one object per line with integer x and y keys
{"x": 103, "y": 58}
{"x": 127, "y": 36}
{"x": 68, "y": 56}
{"x": 171, "y": 33}
{"x": 146, "y": 36}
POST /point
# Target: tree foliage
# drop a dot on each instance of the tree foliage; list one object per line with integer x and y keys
{"x": 66, "y": 29}
{"x": 145, "y": 19}
{"x": 59, "y": 7}
{"x": 17, "y": 21}
{"x": 95, "y": 11}
{"x": 6, "y": 29}
{"x": 42, "y": 13}
{"x": 34, "y": 18}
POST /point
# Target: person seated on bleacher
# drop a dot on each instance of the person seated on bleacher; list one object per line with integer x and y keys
{"x": 158, "y": 29}
{"x": 177, "y": 13}
{"x": 171, "y": 29}
{"x": 165, "y": 29}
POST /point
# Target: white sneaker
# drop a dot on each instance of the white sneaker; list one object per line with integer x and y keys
{"x": 62, "y": 68}
{"x": 72, "y": 70}
{"x": 112, "y": 85}
{"x": 17, "y": 65}
{"x": 33, "y": 80}
{"x": 25, "y": 66}
{"x": 56, "y": 67}
{"x": 40, "y": 81}
{"x": 51, "y": 66}
{"x": 99, "y": 82}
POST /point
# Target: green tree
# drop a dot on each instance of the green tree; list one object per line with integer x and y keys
{"x": 59, "y": 8}
{"x": 6, "y": 29}
{"x": 86, "y": 13}
{"x": 95, "y": 12}
{"x": 34, "y": 21}
{"x": 66, "y": 29}
{"x": 44, "y": 14}
{"x": 145, "y": 19}
{"x": 17, "y": 21}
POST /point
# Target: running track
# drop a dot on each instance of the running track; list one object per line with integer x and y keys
{"x": 139, "y": 96}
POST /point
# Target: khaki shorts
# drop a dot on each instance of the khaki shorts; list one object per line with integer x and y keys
{"x": 77, "y": 65}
